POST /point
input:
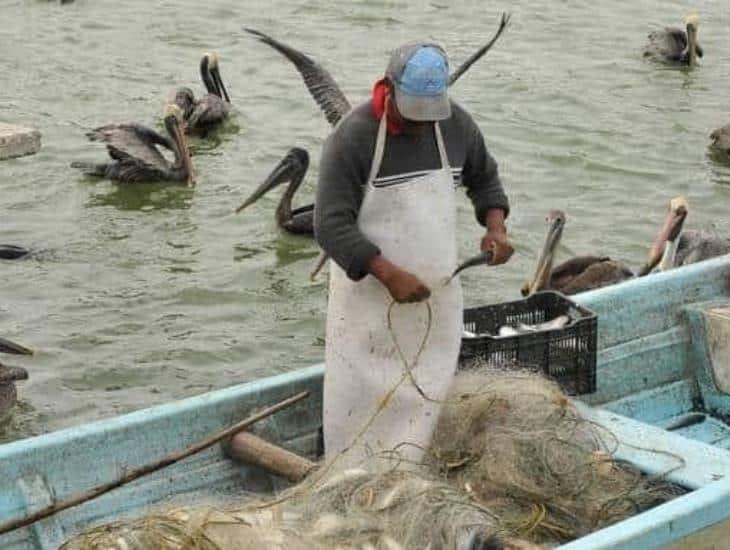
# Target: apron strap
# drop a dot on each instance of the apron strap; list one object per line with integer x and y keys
{"x": 379, "y": 149}
{"x": 441, "y": 146}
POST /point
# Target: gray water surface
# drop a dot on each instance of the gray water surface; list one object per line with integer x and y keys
{"x": 140, "y": 295}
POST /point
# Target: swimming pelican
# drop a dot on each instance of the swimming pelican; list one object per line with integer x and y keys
{"x": 12, "y": 252}
{"x": 204, "y": 114}
{"x": 583, "y": 273}
{"x": 137, "y": 159}
{"x": 10, "y": 375}
{"x": 333, "y": 103}
{"x": 721, "y": 139}
{"x": 687, "y": 247}
{"x": 290, "y": 169}
{"x": 674, "y": 45}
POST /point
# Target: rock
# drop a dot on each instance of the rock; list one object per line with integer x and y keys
{"x": 17, "y": 141}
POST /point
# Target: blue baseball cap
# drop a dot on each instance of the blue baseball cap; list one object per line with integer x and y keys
{"x": 420, "y": 74}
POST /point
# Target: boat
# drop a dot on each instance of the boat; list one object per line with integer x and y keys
{"x": 663, "y": 383}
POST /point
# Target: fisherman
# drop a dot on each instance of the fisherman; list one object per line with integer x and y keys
{"x": 385, "y": 213}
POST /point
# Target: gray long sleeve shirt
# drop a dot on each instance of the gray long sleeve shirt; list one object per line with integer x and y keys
{"x": 345, "y": 166}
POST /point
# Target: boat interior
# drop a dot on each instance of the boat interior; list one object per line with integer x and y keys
{"x": 663, "y": 388}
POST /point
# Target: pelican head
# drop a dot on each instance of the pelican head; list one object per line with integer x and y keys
{"x": 556, "y": 222}
{"x": 211, "y": 75}
{"x": 12, "y": 374}
{"x": 694, "y": 50}
{"x": 290, "y": 169}
{"x": 664, "y": 247}
{"x": 173, "y": 118}
{"x": 185, "y": 99}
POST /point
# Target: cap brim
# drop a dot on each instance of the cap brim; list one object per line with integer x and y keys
{"x": 421, "y": 107}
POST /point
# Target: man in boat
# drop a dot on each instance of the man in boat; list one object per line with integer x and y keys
{"x": 385, "y": 213}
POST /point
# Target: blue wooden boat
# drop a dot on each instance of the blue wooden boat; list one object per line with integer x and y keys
{"x": 663, "y": 383}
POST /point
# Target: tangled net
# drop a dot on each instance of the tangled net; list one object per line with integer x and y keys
{"x": 511, "y": 463}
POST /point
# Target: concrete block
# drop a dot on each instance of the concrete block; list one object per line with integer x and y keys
{"x": 17, "y": 141}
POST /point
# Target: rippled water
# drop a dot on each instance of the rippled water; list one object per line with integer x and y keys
{"x": 139, "y": 295}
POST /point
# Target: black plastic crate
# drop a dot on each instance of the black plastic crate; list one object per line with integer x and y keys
{"x": 567, "y": 354}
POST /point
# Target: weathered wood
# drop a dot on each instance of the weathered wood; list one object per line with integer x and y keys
{"x": 17, "y": 141}
{"x": 136, "y": 473}
{"x": 249, "y": 448}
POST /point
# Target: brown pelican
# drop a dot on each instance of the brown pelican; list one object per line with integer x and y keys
{"x": 675, "y": 46}
{"x": 290, "y": 169}
{"x": 12, "y": 252}
{"x": 588, "y": 272}
{"x": 136, "y": 157}
{"x": 687, "y": 247}
{"x": 10, "y": 375}
{"x": 721, "y": 139}
{"x": 204, "y": 114}
{"x": 335, "y": 105}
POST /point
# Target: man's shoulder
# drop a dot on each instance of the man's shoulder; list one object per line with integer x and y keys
{"x": 460, "y": 116}
{"x": 358, "y": 120}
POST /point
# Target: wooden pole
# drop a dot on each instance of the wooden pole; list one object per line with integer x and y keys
{"x": 246, "y": 447}
{"x": 136, "y": 473}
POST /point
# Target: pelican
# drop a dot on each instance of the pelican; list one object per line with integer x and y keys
{"x": 583, "y": 273}
{"x": 290, "y": 169}
{"x": 687, "y": 247}
{"x": 721, "y": 139}
{"x": 136, "y": 155}
{"x": 8, "y": 377}
{"x": 674, "y": 45}
{"x": 12, "y": 252}
{"x": 204, "y": 114}
{"x": 333, "y": 103}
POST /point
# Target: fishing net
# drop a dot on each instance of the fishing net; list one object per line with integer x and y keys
{"x": 511, "y": 463}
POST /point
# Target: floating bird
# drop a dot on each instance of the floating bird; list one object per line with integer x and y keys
{"x": 12, "y": 252}
{"x": 687, "y": 247}
{"x": 334, "y": 105}
{"x": 204, "y": 114}
{"x": 721, "y": 139}
{"x": 10, "y": 375}
{"x": 583, "y": 273}
{"x": 674, "y": 45}
{"x": 290, "y": 169}
{"x": 136, "y": 156}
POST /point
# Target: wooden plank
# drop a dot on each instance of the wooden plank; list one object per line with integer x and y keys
{"x": 654, "y": 450}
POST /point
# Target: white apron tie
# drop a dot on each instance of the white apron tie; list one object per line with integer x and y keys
{"x": 414, "y": 225}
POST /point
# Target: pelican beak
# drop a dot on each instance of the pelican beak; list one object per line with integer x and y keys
{"x": 182, "y": 143}
{"x": 670, "y": 231}
{"x": 6, "y": 346}
{"x": 556, "y": 221}
{"x": 12, "y": 374}
{"x": 216, "y": 74}
{"x": 282, "y": 173}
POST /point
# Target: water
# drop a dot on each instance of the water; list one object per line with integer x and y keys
{"x": 140, "y": 295}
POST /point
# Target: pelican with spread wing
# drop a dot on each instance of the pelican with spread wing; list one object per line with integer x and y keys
{"x": 135, "y": 153}
{"x": 333, "y": 103}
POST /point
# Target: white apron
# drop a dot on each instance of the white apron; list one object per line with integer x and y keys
{"x": 414, "y": 225}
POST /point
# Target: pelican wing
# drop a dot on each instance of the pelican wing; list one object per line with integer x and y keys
{"x": 668, "y": 43}
{"x": 133, "y": 143}
{"x": 209, "y": 111}
{"x": 597, "y": 273}
{"x": 477, "y": 55}
{"x": 319, "y": 82}
{"x": 696, "y": 246}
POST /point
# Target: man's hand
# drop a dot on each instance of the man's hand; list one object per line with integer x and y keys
{"x": 496, "y": 239}
{"x": 404, "y": 287}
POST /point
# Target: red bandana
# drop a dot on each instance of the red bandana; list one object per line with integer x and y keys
{"x": 380, "y": 92}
